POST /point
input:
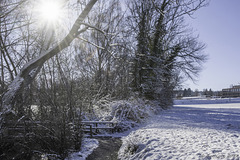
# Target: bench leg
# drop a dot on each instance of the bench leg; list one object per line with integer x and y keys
{"x": 91, "y": 133}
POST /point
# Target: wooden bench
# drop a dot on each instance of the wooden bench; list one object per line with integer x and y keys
{"x": 90, "y": 126}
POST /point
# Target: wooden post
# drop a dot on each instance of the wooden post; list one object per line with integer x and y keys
{"x": 91, "y": 133}
{"x": 112, "y": 127}
{"x": 97, "y": 131}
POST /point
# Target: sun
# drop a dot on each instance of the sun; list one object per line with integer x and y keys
{"x": 49, "y": 10}
{"x": 50, "y": 17}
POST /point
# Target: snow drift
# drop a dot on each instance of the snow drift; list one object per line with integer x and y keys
{"x": 206, "y": 131}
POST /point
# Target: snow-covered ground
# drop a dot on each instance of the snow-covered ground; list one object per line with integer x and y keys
{"x": 210, "y": 130}
{"x": 202, "y": 100}
{"x": 88, "y": 145}
{"x": 128, "y": 114}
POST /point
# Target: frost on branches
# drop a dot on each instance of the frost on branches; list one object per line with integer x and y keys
{"x": 127, "y": 113}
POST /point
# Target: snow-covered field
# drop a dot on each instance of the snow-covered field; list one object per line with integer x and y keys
{"x": 210, "y": 130}
{"x": 199, "y": 100}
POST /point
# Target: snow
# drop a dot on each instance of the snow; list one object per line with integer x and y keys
{"x": 200, "y": 100}
{"x": 188, "y": 131}
{"x": 9, "y": 96}
{"x": 126, "y": 113}
{"x": 88, "y": 145}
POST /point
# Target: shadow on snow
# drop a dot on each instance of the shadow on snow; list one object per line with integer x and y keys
{"x": 227, "y": 119}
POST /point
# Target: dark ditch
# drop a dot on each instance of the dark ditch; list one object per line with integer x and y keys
{"x": 107, "y": 150}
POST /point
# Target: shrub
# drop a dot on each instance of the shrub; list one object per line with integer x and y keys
{"x": 126, "y": 113}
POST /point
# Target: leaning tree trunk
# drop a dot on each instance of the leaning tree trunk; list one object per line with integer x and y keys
{"x": 32, "y": 68}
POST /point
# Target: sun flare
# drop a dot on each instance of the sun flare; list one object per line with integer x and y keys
{"x": 49, "y": 11}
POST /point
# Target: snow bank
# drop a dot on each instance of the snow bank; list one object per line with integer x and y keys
{"x": 156, "y": 144}
{"x": 88, "y": 145}
{"x": 187, "y": 132}
{"x": 206, "y": 101}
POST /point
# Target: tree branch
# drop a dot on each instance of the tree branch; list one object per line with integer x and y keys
{"x": 24, "y": 78}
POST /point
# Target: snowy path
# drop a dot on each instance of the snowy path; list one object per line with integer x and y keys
{"x": 207, "y": 131}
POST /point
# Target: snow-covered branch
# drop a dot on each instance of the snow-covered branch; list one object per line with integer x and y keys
{"x": 24, "y": 78}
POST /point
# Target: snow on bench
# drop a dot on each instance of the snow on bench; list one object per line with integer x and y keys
{"x": 89, "y": 126}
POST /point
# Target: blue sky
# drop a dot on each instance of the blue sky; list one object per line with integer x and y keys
{"x": 218, "y": 26}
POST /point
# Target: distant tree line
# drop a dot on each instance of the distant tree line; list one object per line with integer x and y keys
{"x": 190, "y": 93}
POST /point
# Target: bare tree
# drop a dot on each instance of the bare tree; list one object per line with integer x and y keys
{"x": 31, "y": 69}
{"x": 100, "y": 60}
{"x": 10, "y": 21}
